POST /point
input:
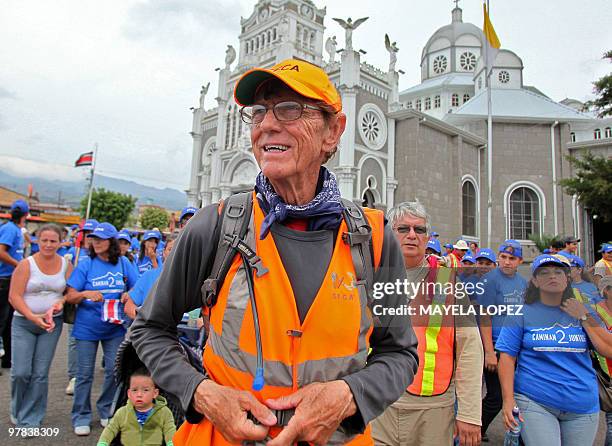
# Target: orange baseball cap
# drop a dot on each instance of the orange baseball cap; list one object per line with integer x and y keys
{"x": 302, "y": 77}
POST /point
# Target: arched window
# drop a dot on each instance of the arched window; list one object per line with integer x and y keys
{"x": 466, "y": 97}
{"x": 409, "y": 104}
{"x": 418, "y": 104}
{"x": 427, "y": 103}
{"x": 437, "y": 101}
{"x": 455, "y": 100}
{"x": 572, "y": 137}
{"x": 524, "y": 209}
{"x": 469, "y": 211}
{"x": 597, "y": 134}
{"x": 608, "y": 132}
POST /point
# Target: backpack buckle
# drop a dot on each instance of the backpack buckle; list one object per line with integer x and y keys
{"x": 234, "y": 211}
{"x": 354, "y": 212}
{"x": 209, "y": 292}
{"x": 363, "y": 235}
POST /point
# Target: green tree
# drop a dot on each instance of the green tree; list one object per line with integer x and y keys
{"x": 592, "y": 184}
{"x": 106, "y": 205}
{"x": 603, "y": 89}
{"x": 154, "y": 218}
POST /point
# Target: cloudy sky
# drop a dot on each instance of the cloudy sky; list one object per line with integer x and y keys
{"x": 123, "y": 73}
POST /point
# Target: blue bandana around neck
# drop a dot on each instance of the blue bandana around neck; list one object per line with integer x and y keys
{"x": 326, "y": 204}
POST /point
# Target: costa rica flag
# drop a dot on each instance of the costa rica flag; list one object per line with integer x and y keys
{"x": 111, "y": 311}
{"x": 86, "y": 159}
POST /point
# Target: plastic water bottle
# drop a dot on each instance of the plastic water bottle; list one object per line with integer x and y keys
{"x": 512, "y": 436}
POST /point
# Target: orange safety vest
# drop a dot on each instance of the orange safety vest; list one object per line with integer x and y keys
{"x": 332, "y": 342}
{"x": 454, "y": 261}
{"x": 436, "y": 335}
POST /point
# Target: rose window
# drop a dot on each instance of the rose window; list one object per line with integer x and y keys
{"x": 439, "y": 64}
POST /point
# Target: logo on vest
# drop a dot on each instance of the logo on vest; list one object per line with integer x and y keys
{"x": 341, "y": 284}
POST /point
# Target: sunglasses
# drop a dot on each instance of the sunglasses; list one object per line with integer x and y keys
{"x": 405, "y": 229}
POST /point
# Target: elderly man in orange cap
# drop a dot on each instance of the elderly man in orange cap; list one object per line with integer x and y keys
{"x": 293, "y": 353}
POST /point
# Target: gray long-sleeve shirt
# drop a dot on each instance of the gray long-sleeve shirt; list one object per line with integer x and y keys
{"x": 391, "y": 364}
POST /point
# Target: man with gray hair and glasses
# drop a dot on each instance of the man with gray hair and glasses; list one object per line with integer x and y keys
{"x": 449, "y": 349}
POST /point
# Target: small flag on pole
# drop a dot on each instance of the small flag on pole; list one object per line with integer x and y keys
{"x": 491, "y": 40}
{"x": 111, "y": 311}
{"x": 86, "y": 159}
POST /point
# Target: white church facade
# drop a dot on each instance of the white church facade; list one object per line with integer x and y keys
{"x": 428, "y": 142}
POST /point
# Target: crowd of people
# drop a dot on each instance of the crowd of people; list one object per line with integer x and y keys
{"x": 92, "y": 269}
{"x": 295, "y": 350}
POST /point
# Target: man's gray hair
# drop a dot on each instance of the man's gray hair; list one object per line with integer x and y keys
{"x": 413, "y": 208}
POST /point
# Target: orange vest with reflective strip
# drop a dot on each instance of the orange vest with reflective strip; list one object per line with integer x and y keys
{"x": 436, "y": 335}
{"x": 333, "y": 340}
{"x": 454, "y": 261}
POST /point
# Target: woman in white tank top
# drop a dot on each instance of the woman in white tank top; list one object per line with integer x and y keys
{"x": 37, "y": 294}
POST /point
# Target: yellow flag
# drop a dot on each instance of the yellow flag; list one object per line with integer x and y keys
{"x": 491, "y": 40}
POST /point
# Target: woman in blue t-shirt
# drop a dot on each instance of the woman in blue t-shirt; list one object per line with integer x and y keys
{"x": 148, "y": 257}
{"x": 581, "y": 280}
{"x": 96, "y": 286}
{"x": 554, "y": 383}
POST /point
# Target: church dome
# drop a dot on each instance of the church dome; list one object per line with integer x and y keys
{"x": 452, "y": 48}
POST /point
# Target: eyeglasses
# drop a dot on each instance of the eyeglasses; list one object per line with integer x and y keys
{"x": 283, "y": 111}
{"x": 404, "y": 229}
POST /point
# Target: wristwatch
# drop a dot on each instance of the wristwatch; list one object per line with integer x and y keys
{"x": 584, "y": 317}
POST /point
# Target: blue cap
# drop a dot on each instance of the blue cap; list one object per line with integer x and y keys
{"x": 124, "y": 234}
{"x": 468, "y": 258}
{"x": 186, "y": 211}
{"x": 434, "y": 244}
{"x": 576, "y": 261}
{"x": 151, "y": 234}
{"x": 434, "y": 234}
{"x": 449, "y": 245}
{"x": 606, "y": 247}
{"x": 90, "y": 225}
{"x": 511, "y": 247}
{"x": 486, "y": 253}
{"x": 549, "y": 259}
{"x": 73, "y": 227}
{"x": 20, "y": 205}
{"x": 547, "y": 251}
{"x": 104, "y": 231}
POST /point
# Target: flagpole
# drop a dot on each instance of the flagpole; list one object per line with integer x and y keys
{"x": 91, "y": 180}
{"x": 489, "y": 146}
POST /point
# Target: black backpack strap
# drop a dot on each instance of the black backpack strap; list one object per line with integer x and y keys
{"x": 359, "y": 238}
{"x": 230, "y": 231}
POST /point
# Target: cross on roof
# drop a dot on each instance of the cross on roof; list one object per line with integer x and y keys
{"x": 456, "y": 3}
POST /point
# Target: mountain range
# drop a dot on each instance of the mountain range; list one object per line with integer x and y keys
{"x": 71, "y": 193}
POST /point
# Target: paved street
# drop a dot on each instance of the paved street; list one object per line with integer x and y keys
{"x": 58, "y": 411}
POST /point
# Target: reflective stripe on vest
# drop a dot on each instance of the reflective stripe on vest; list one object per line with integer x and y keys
{"x": 604, "y": 314}
{"x": 436, "y": 343}
{"x": 331, "y": 342}
{"x": 454, "y": 261}
{"x": 579, "y": 297}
